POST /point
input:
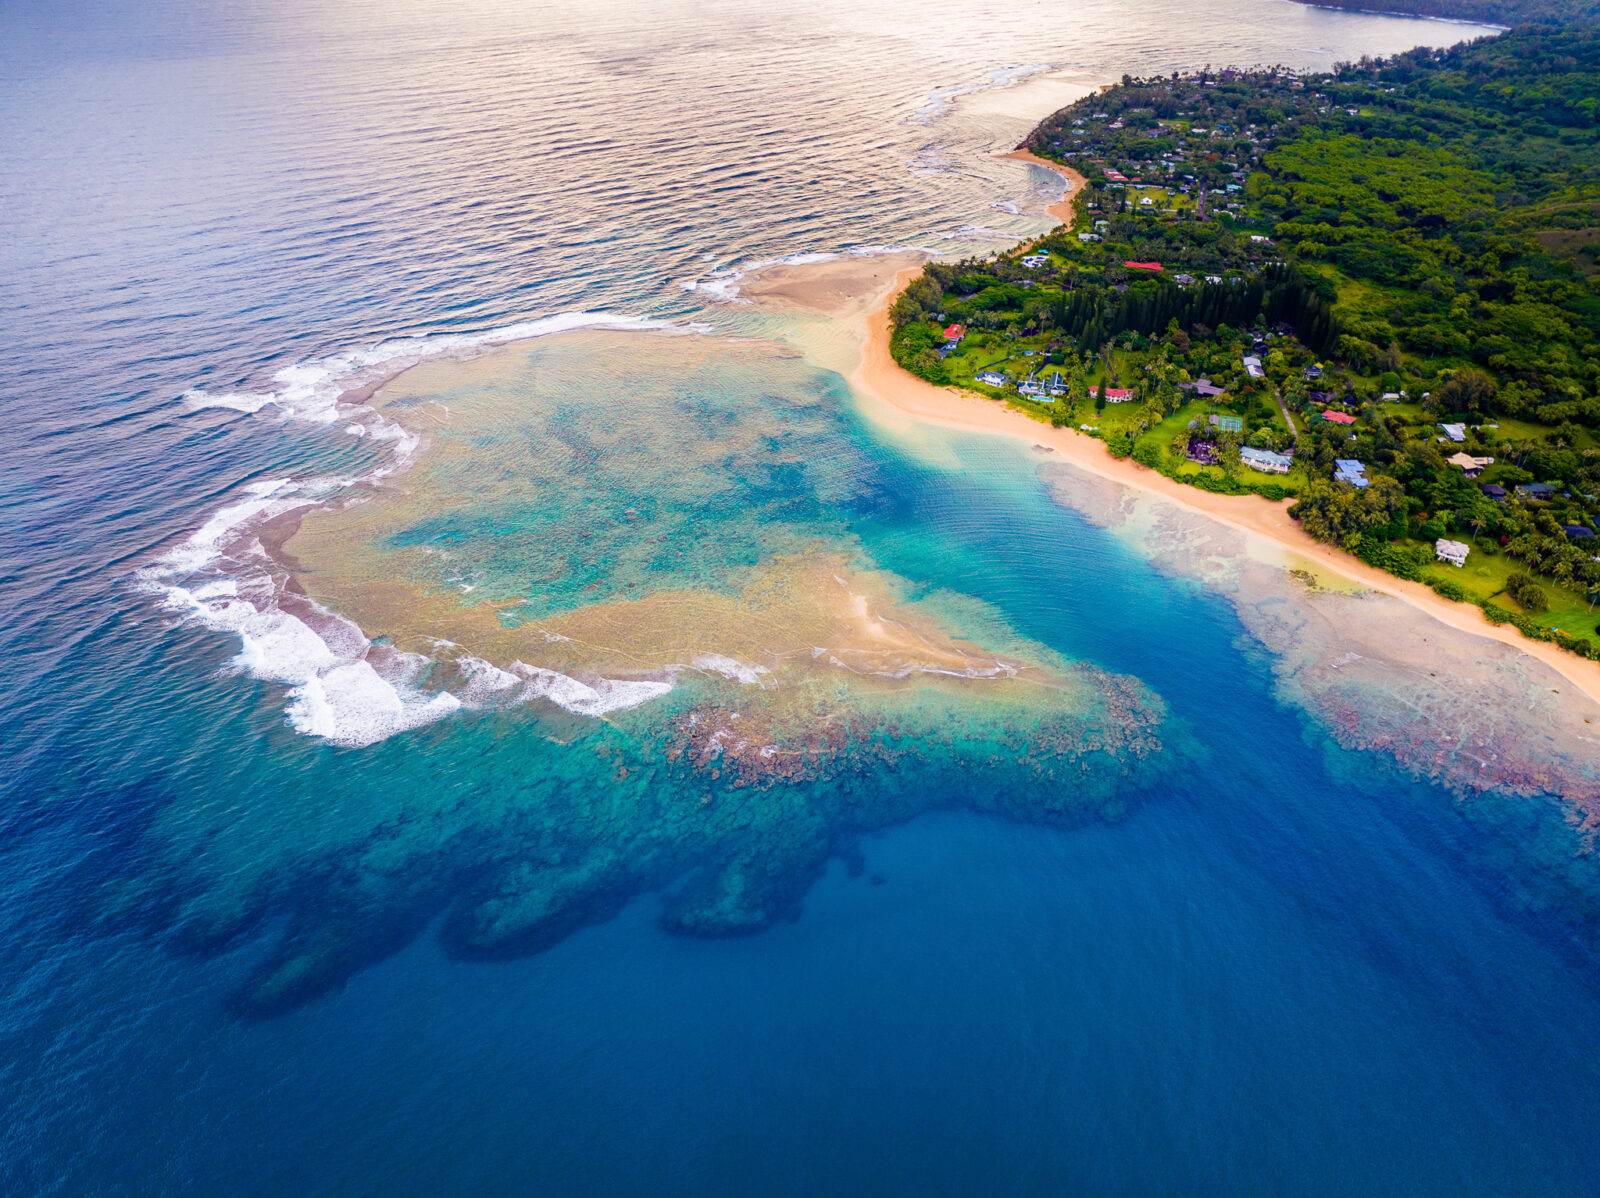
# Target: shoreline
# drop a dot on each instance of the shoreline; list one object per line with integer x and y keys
{"x": 879, "y": 377}
{"x": 1062, "y": 209}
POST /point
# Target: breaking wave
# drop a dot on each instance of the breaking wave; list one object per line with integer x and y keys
{"x": 343, "y": 688}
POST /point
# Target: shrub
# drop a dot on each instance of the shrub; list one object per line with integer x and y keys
{"x": 1450, "y": 590}
{"x": 1496, "y": 614}
{"x": 1531, "y": 597}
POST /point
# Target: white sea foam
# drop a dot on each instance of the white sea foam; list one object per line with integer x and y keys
{"x": 723, "y": 286}
{"x": 739, "y": 671}
{"x": 343, "y": 689}
{"x": 353, "y": 705}
{"x": 584, "y": 698}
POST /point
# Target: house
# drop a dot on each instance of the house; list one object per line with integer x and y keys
{"x": 992, "y": 378}
{"x": 1391, "y": 397}
{"x": 1205, "y": 388}
{"x": 1453, "y": 552}
{"x": 1088, "y": 237}
{"x": 955, "y": 333}
{"x": 1265, "y": 460}
{"x": 1252, "y": 367}
{"x": 1468, "y": 464}
{"x": 1320, "y": 396}
{"x": 1348, "y": 470}
{"x": 1333, "y": 417}
{"x": 1313, "y": 373}
{"x": 1495, "y": 492}
{"x": 1204, "y": 452}
{"x": 1578, "y": 532}
{"x": 1031, "y": 387}
{"x": 1456, "y": 432}
{"x": 1119, "y": 394}
{"x": 1183, "y": 280}
{"x": 1131, "y": 265}
{"x": 1539, "y": 492}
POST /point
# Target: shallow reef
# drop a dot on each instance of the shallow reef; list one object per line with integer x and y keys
{"x": 520, "y": 826}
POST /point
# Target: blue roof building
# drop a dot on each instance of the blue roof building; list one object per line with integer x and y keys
{"x": 1348, "y": 470}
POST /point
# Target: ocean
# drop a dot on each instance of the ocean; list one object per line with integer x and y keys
{"x": 606, "y": 758}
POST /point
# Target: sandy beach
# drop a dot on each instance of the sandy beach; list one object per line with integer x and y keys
{"x": 1062, "y": 208}
{"x": 879, "y": 377}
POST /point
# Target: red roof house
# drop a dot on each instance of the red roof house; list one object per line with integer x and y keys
{"x": 1142, "y": 265}
{"x": 1333, "y": 417}
{"x": 955, "y": 332}
{"x": 1118, "y": 394}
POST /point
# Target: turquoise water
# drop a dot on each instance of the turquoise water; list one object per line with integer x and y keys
{"x": 1045, "y": 884}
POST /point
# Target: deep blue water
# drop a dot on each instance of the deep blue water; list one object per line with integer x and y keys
{"x": 1287, "y": 969}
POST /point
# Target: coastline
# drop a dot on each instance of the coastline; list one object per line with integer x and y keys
{"x": 878, "y": 376}
{"x": 1062, "y": 209}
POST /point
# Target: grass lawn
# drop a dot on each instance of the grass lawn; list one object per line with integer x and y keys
{"x": 1486, "y": 577}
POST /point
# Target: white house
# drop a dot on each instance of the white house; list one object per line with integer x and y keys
{"x": 1456, "y": 432}
{"x": 1265, "y": 460}
{"x": 992, "y": 378}
{"x": 1453, "y": 552}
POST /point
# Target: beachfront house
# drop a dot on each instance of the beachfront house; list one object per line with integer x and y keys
{"x": 1265, "y": 460}
{"x": 1456, "y": 432}
{"x": 1348, "y": 470}
{"x": 1252, "y": 367}
{"x": 1088, "y": 237}
{"x": 992, "y": 378}
{"x": 1119, "y": 394}
{"x": 1453, "y": 552}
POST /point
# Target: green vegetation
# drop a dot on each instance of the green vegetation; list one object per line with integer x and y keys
{"x": 1490, "y": 12}
{"x": 1392, "y": 264}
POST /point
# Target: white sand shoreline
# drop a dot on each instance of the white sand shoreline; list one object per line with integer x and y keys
{"x": 879, "y": 377}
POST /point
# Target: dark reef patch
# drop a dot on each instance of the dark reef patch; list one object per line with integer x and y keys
{"x": 513, "y": 830}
